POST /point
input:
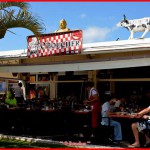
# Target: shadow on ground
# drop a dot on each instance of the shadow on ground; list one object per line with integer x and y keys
{"x": 10, "y": 143}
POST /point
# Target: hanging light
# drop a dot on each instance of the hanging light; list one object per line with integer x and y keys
{"x": 24, "y": 74}
{"x": 14, "y": 74}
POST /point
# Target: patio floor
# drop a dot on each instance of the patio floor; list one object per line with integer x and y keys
{"x": 58, "y": 142}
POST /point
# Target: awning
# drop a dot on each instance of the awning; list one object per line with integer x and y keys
{"x": 97, "y": 65}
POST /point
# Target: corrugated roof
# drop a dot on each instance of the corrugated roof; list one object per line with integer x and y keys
{"x": 93, "y": 48}
{"x": 13, "y": 53}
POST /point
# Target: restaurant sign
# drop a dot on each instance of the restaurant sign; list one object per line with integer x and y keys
{"x": 62, "y": 43}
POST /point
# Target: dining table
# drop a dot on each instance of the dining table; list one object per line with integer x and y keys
{"x": 126, "y": 119}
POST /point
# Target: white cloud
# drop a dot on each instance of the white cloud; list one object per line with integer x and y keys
{"x": 95, "y": 34}
{"x": 83, "y": 16}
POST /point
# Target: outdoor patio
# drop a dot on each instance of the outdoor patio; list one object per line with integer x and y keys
{"x": 54, "y": 142}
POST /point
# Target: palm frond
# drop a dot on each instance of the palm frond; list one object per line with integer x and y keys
{"x": 22, "y": 5}
{"x": 22, "y": 19}
{"x": 9, "y": 18}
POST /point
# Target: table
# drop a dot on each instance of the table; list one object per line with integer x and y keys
{"x": 126, "y": 121}
{"x": 43, "y": 122}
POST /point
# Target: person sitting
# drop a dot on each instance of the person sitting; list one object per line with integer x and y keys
{"x": 139, "y": 127}
{"x": 105, "y": 112}
{"x": 31, "y": 97}
{"x": 40, "y": 93}
{"x": 62, "y": 26}
{"x": 71, "y": 99}
{"x": 32, "y": 94}
{"x": 10, "y": 99}
{"x": 120, "y": 103}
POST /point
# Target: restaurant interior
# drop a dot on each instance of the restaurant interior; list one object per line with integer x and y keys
{"x": 41, "y": 115}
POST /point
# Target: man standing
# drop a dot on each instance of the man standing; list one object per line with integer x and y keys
{"x": 93, "y": 100}
{"x": 19, "y": 93}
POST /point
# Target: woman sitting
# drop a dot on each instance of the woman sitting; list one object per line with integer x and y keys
{"x": 139, "y": 127}
{"x": 10, "y": 99}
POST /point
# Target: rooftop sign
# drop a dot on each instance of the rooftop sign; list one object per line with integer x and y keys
{"x": 62, "y": 43}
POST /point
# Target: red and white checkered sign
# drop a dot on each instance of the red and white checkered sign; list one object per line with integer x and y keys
{"x": 61, "y": 43}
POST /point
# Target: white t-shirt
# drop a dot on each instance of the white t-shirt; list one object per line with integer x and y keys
{"x": 105, "y": 108}
{"x": 93, "y": 91}
{"x": 117, "y": 104}
{"x": 18, "y": 92}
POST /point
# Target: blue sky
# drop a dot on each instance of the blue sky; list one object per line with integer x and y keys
{"x": 97, "y": 20}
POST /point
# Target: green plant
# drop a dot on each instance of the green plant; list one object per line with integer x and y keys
{"x": 11, "y": 17}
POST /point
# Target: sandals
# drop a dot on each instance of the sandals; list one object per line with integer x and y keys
{"x": 134, "y": 145}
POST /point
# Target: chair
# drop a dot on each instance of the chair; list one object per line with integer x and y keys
{"x": 104, "y": 134}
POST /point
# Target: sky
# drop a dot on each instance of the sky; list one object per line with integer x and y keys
{"x": 97, "y": 20}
